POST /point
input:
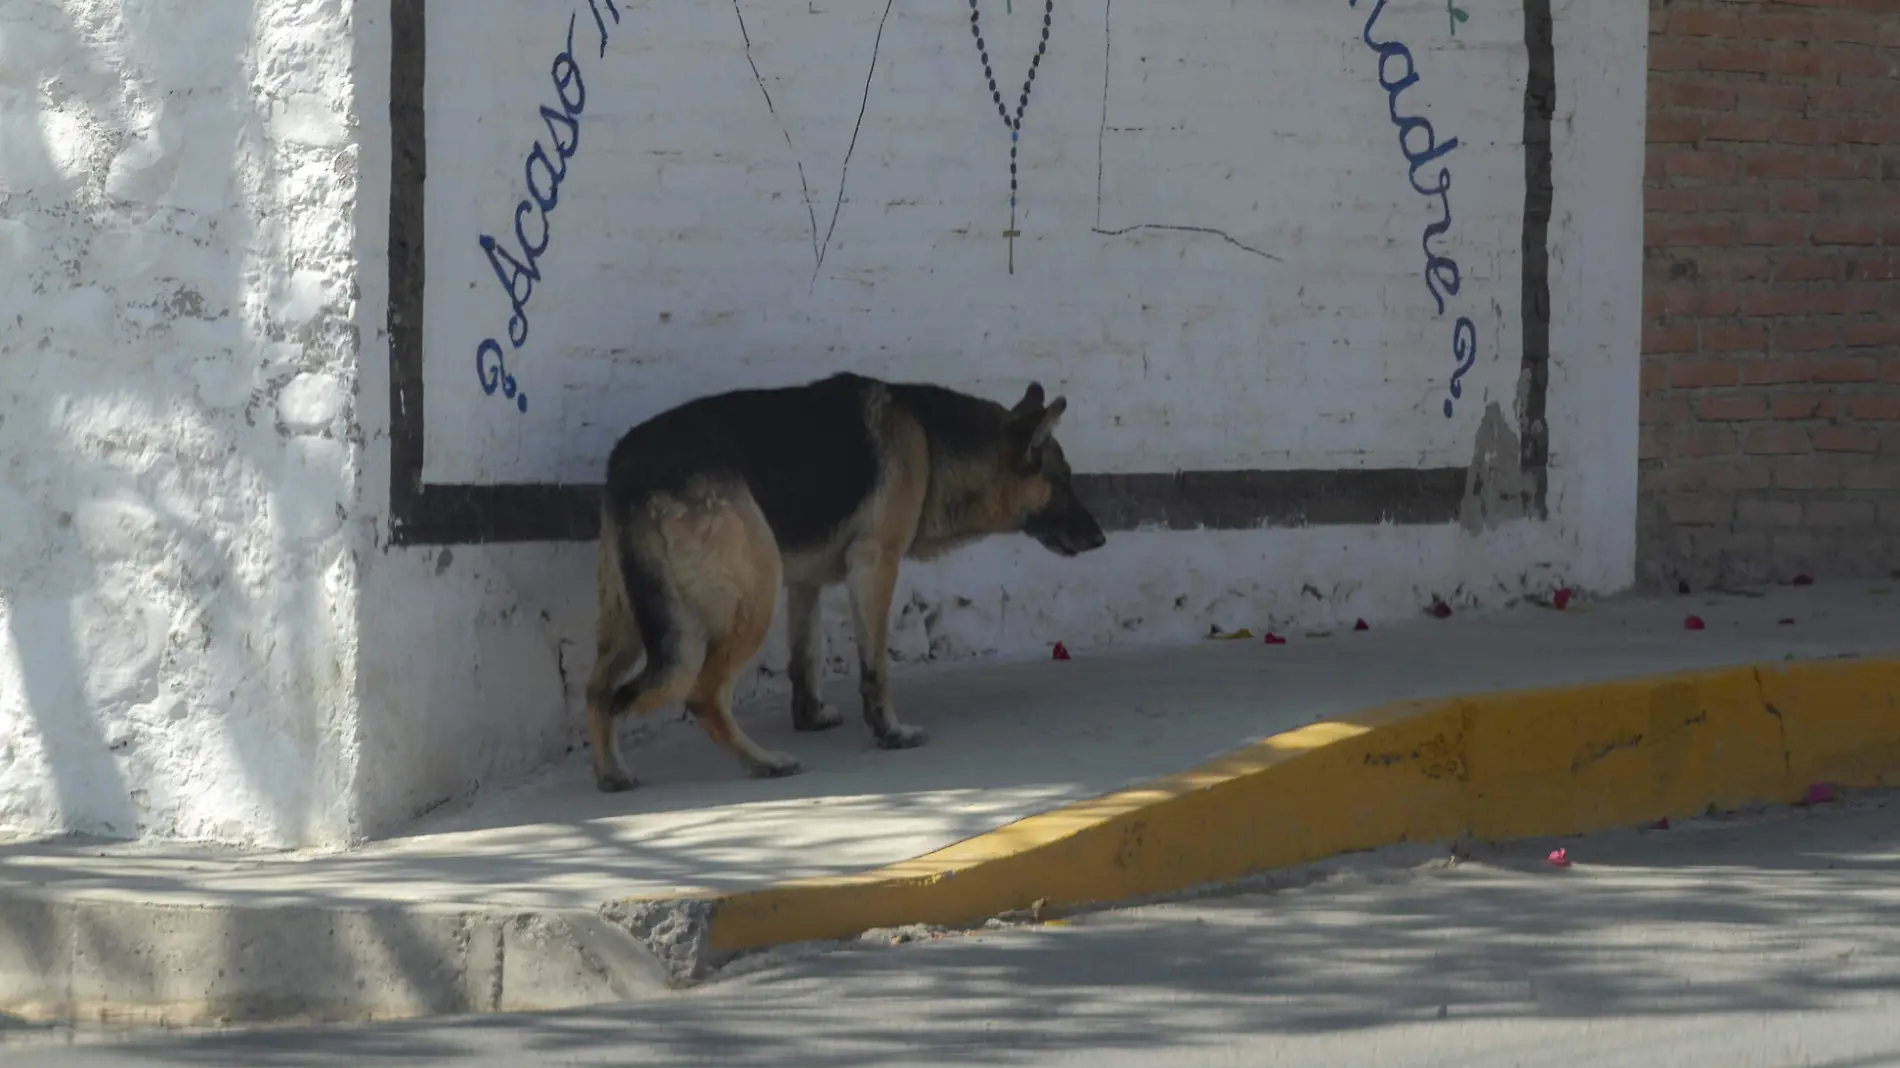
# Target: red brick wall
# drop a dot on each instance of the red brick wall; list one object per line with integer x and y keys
{"x": 1771, "y": 343}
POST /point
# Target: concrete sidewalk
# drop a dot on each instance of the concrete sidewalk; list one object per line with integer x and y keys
{"x": 1753, "y": 940}
{"x": 1008, "y": 741}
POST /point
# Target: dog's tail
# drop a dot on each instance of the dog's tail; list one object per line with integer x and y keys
{"x": 634, "y": 587}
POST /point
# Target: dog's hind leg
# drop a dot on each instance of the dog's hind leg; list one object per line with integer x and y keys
{"x": 809, "y": 711}
{"x": 672, "y": 663}
{"x": 665, "y": 678}
{"x": 649, "y": 612}
{"x": 736, "y": 595}
{"x": 711, "y": 704}
{"x": 617, "y": 648}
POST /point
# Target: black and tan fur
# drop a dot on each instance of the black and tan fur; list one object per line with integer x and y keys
{"x": 711, "y": 507}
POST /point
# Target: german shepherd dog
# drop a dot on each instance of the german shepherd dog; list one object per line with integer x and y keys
{"x": 711, "y": 506}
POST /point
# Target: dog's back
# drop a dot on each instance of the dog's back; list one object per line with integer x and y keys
{"x": 806, "y": 453}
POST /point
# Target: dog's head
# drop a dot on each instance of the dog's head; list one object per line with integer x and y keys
{"x": 1051, "y": 512}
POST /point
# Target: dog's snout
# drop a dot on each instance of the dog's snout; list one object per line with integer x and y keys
{"x": 1083, "y": 533}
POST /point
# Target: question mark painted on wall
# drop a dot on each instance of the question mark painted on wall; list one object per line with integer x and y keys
{"x": 1464, "y": 346}
{"x": 495, "y": 375}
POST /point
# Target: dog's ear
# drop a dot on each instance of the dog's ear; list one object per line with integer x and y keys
{"x": 1033, "y": 428}
{"x": 1031, "y": 402}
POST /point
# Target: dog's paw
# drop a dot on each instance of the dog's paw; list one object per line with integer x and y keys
{"x": 902, "y": 737}
{"x": 775, "y": 766}
{"x": 821, "y": 717}
{"x": 614, "y": 782}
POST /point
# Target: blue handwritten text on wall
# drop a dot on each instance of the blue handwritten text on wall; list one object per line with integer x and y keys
{"x": 518, "y": 267}
{"x": 1419, "y": 142}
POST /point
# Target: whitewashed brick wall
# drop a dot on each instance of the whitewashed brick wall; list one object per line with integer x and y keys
{"x": 1294, "y": 328}
{"x": 203, "y": 629}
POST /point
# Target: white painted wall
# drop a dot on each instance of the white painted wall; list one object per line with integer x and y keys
{"x": 331, "y": 685}
{"x": 177, "y": 436}
{"x": 701, "y": 187}
{"x": 682, "y": 257}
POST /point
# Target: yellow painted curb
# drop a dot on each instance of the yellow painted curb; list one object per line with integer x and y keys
{"x": 1498, "y": 765}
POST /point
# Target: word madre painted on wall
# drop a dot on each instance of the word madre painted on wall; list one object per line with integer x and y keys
{"x": 1398, "y": 71}
{"x": 518, "y": 267}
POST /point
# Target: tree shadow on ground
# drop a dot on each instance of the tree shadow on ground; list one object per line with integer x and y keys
{"x": 1794, "y": 913}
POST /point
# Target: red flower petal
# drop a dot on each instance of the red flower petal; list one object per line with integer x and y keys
{"x": 1274, "y": 639}
{"x": 1441, "y": 610}
{"x": 1062, "y": 651}
{"x": 1819, "y": 793}
{"x": 1693, "y": 623}
{"x": 1561, "y": 599}
{"x": 1803, "y": 580}
{"x": 1559, "y": 858}
{"x": 1361, "y": 625}
{"x": 1788, "y": 622}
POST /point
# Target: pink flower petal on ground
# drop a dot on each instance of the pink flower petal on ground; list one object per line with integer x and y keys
{"x": 1559, "y": 858}
{"x": 1273, "y": 639}
{"x": 1561, "y": 599}
{"x": 1062, "y": 651}
{"x": 1361, "y": 625}
{"x": 1694, "y": 623}
{"x": 1819, "y": 793}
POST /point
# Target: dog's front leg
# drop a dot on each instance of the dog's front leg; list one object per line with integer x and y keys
{"x": 873, "y": 579}
{"x": 809, "y": 711}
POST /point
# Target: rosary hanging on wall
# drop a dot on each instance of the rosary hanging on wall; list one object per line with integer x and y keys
{"x": 1014, "y": 123}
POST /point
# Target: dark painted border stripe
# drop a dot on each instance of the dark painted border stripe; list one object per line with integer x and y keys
{"x": 1220, "y": 500}
{"x": 1189, "y": 500}
{"x": 1242, "y": 500}
{"x": 1540, "y": 106}
{"x": 415, "y": 518}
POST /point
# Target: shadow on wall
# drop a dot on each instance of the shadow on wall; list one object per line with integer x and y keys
{"x": 174, "y": 388}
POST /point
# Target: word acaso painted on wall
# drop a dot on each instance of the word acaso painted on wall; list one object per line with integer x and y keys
{"x": 517, "y": 267}
{"x": 1442, "y": 275}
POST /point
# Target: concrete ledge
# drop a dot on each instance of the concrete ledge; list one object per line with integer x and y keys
{"x": 116, "y": 963}
{"x": 1501, "y": 765}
